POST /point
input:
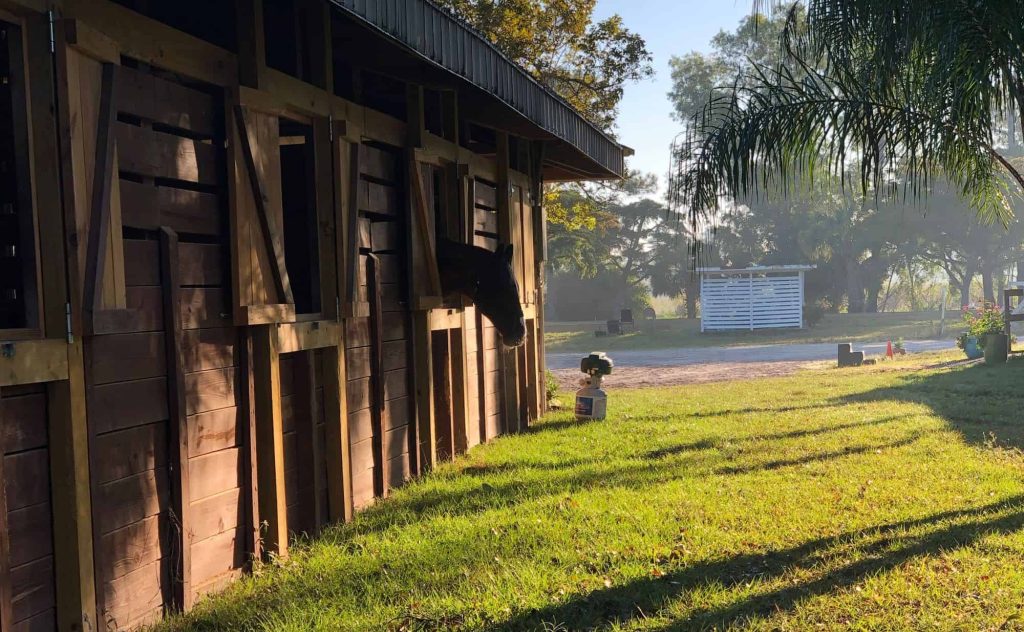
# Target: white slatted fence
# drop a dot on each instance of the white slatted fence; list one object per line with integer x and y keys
{"x": 752, "y": 298}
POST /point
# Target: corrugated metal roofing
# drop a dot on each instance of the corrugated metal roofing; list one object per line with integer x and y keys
{"x": 448, "y": 42}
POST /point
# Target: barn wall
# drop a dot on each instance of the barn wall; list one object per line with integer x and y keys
{"x": 195, "y": 420}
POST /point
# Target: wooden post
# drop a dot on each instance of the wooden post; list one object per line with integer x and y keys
{"x": 509, "y": 369}
{"x": 424, "y": 392}
{"x": 339, "y": 456}
{"x": 270, "y": 439}
{"x": 459, "y": 363}
{"x": 251, "y": 458}
{"x": 178, "y": 465}
{"x": 6, "y": 609}
{"x": 252, "y": 53}
{"x": 71, "y": 498}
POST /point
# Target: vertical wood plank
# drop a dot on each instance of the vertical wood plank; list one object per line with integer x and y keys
{"x": 379, "y": 408}
{"x": 338, "y": 453}
{"x": 46, "y": 175}
{"x": 506, "y": 234}
{"x": 178, "y": 465}
{"x": 540, "y": 253}
{"x": 308, "y": 452}
{"x": 270, "y": 439}
{"x": 424, "y": 392}
{"x": 252, "y": 505}
{"x": 103, "y": 184}
{"x": 326, "y": 219}
{"x": 6, "y": 614}
{"x": 460, "y": 404}
{"x": 77, "y": 592}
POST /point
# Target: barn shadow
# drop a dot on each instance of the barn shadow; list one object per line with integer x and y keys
{"x": 509, "y": 483}
{"x": 875, "y": 550}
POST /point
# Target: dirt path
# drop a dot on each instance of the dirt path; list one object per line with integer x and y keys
{"x": 669, "y": 367}
{"x": 640, "y": 377}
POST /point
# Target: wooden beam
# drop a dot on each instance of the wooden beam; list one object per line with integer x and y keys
{"x": 272, "y": 235}
{"x": 270, "y": 439}
{"x": 303, "y": 336}
{"x": 102, "y": 192}
{"x": 424, "y": 225}
{"x": 326, "y": 223}
{"x": 71, "y": 497}
{"x": 178, "y": 459}
{"x": 338, "y": 453}
{"x": 33, "y": 361}
{"x": 252, "y": 52}
{"x": 46, "y": 175}
{"x": 254, "y": 540}
{"x": 347, "y": 216}
{"x": 152, "y": 42}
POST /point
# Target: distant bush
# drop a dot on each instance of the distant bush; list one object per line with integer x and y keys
{"x": 813, "y": 313}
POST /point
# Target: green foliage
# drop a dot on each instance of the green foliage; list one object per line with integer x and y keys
{"x": 587, "y": 63}
{"x": 813, "y": 313}
{"x": 550, "y": 386}
{"x": 980, "y": 321}
{"x": 902, "y": 90}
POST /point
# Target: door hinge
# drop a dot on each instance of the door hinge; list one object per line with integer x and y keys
{"x": 67, "y": 323}
{"x": 53, "y": 32}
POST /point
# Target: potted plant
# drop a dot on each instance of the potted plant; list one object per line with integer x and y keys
{"x": 986, "y": 327}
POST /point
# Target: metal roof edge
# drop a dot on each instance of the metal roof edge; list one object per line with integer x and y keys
{"x": 397, "y": 20}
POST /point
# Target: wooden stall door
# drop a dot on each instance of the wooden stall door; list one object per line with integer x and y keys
{"x": 305, "y": 468}
{"x": 485, "y": 235}
{"x": 377, "y": 345}
{"x": 166, "y": 429}
{"x": 27, "y": 595}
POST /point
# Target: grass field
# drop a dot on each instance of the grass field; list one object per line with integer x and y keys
{"x": 887, "y": 497}
{"x": 676, "y": 332}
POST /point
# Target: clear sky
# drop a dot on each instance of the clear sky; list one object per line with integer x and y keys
{"x": 670, "y": 27}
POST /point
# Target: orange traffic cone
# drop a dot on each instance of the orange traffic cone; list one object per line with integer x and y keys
{"x": 888, "y": 351}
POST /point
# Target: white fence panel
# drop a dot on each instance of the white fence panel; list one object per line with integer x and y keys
{"x": 751, "y": 300}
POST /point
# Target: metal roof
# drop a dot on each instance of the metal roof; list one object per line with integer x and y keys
{"x": 448, "y": 42}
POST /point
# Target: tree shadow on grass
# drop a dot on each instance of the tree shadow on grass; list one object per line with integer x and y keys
{"x": 985, "y": 404}
{"x": 878, "y": 549}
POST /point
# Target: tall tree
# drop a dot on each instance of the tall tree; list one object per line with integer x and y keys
{"x": 585, "y": 61}
{"x": 901, "y": 89}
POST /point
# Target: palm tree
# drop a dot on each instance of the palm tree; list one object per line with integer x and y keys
{"x": 898, "y": 91}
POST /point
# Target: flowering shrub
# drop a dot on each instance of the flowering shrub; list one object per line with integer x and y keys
{"x": 981, "y": 321}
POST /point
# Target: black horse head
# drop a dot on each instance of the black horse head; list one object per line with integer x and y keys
{"x": 488, "y": 280}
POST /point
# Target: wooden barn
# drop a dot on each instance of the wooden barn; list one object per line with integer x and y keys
{"x": 222, "y": 321}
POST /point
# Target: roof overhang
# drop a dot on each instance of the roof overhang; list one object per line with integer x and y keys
{"x": 576, "y": 148}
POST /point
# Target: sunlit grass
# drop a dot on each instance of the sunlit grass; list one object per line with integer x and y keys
{"x": 887, "y": 497}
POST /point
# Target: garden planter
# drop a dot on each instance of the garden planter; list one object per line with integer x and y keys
{"x": 972, "y": 349}
{"x": 997, "y": 347}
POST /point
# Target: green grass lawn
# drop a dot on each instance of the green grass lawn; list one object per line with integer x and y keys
{"x": 668, "y": 333}
{"x": 867, "y": 498}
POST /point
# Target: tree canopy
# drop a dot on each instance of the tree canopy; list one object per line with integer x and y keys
{"x": 902, "y": 91}
{"x": 587, "y": 62}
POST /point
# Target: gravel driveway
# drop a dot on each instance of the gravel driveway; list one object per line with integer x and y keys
{"x": 666, "y": 367}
